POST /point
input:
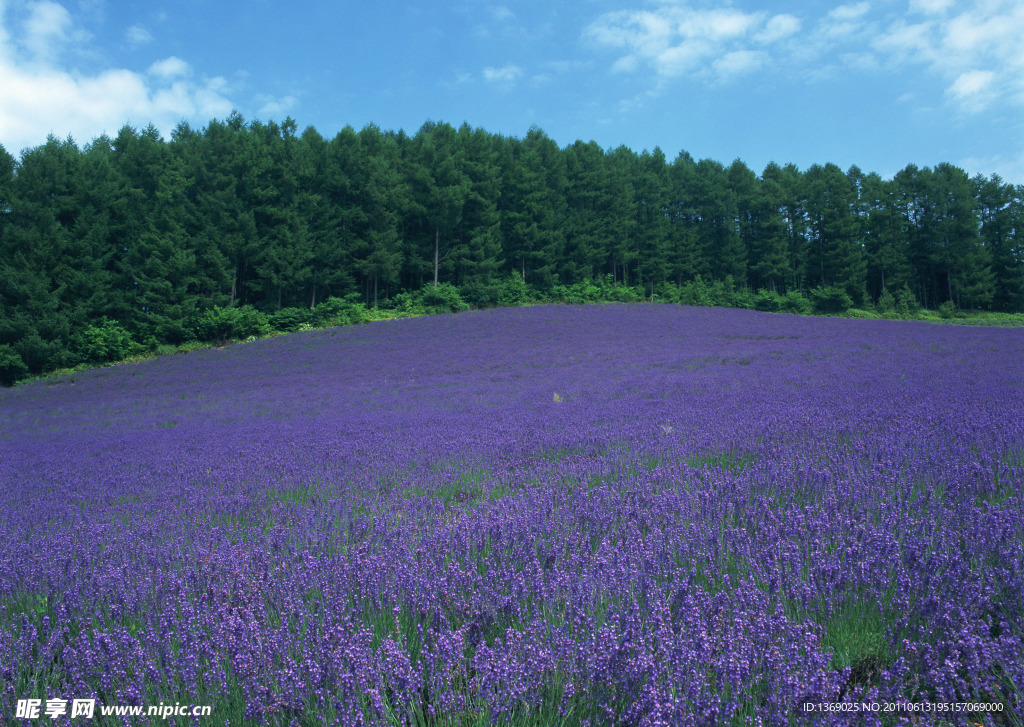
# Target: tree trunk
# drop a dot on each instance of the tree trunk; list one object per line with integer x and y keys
{"x": 375, "y": 290}
{"x": 234, "y": 278}
{"x": 313, "y": 304}
{"x": 279, "y": 296}
{"x": 437, "y": 244}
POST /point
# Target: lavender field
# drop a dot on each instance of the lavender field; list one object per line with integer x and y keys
{"x": 601, "y": 515}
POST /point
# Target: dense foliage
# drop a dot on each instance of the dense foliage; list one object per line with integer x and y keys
{"x": 146, "y": 236}
{"x": 623, "y": 514}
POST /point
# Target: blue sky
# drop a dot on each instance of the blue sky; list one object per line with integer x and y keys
{"x": 877, "y": 83}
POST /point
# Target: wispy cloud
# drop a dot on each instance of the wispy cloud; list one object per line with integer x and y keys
{"x": 137, "y": 35}
{"x": 275, "y": 108}
{"x": 678, "y": 40}
{"x": 47, "y": 31}
{"x": 930, "y": 7}
{"x": 777, "y": 28}
{"x": 973, "y": 44}
{"x": 1009, "y": 167}
{"x": 973, "y": 89}
{"x": 843, "y": 21}
{"x": 501, "y": 13}
{"x": 505, "y": 74}
{"x": 172, "y": 67}
{"x": 976, "y": 47}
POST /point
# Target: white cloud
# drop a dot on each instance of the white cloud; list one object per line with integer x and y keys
{"x": 977, "y": 50}
{"x": 740, "y": 62}
{"x": 275, "y": 108}
{"x": 930, "y": 7}
{"x": 683, "y": 58}
{"x": 717, "y": 25}
{"x": 678, "y": 40}
{"x": 777, "y": 28}
{"x": 973, "y": 89}
{"x": 505, "y": 74}
{"x": 974, "y": 45}
{"x": 47, "y": 30}
{"x": 843, "y": 22}
{"x": 137, "y": 35}
{"x": 906, "y": 42}
{"x": 172, "y": 67}
{"x": 850, "y": 12}
{"x": 44, "y": 92}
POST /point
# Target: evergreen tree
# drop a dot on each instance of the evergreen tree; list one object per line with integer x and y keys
{"x": 535, "y": 211}
{"x": 684, "y": 220}
{"x": 442, "y": 187}
{"x": 588, "y": 237}
{"x": 625, "y": 259}
{"x": 722, "y": 251}
{"x": 887, "y": 266}
{"x": 385, "y": 198}
{"x": 834, "y": 252}
{"x": 745, "y": 189}
{"x": 652, "y": 220}
{"x": 345, "y": 179}
{"x": 480, "y": 226}
{"x": 958, "y": 256}
{"x": 999, "y": 210}
{"x": 768, "y": 243}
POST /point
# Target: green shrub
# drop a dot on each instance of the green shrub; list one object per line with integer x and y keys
{"x": 340, "y": 311}
{"x": 12, "y": 367}
{"x": 578, "y": 293}
{"x": 793, "y": 302}
{"x": 104, "y": 342}
{"x": 741, "y": 297}
{"x": 289, "y": 319}
{"x": 906, "y": 302}
{"x": 947, "y": 311}
{"x": 224, "y": 324}
{"x": 860, "y": 313}
{"x": 171, "y": 330}
{"x": 620, "y": 293}
{"x": 514, "y": 291}
{"x": 444, "y": 298}
{"x": 695, "y": 292}
{"x": 831, "y": 299}
{"x": 768, "y": 301}
{"x": 481, "y": 294}
{"x": 886, "y": 302}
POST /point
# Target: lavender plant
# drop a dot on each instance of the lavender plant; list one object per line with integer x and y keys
{"x": 718, "y": 517}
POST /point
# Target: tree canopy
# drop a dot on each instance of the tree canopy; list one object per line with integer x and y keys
{"x": 146, "y": 234}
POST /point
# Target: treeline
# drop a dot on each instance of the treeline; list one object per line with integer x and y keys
{"x": 145, "y": 237}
